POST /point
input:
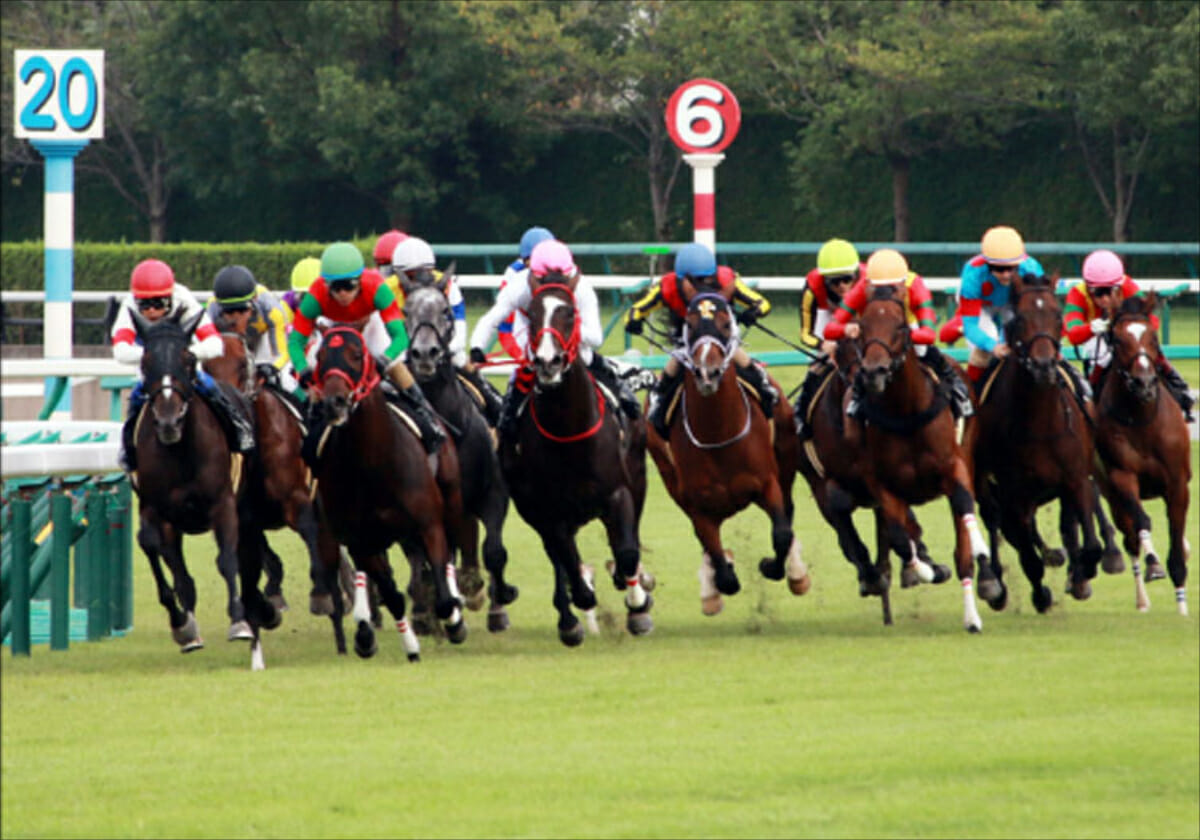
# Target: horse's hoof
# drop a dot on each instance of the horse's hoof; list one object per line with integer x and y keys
{"x": 187, "y": 634}
{"x": 414, "y": 657}
{"x": 457, "y": 633}
{"x": 320, "y": 604}
{"x": 1000, "y": 601}
{"x": 639, "y": 623}
{"x": 469, "y": 580}
{"x": 974, "y": 628}
{"x": 475, "y": 601}
{"x": 1112, "y": 562}
{"x": 800, "y": 585}
{"x": 504, "y": 595}
{"x": 989, "y": 590}
{"x": 1154, "y": 569}
{"x": 908, "y": 578}
{"x": 584, "y": 599}
{"x": 941, "y": 573}
{"x": 274, "y": 619}
{"x": 728, "y": 583}
{"x": 571, "y": 636}
{"x": 1042, "y": 599}
{"x": 712, "y": 605}
{"x": 1081, "y": 590}
{"x": 278, "y": 601}
{"x": 365, "y": 643}
{"x": 497, "y": 620}
{"x": 422, "y": 623}
{"x": 648, "y": 580}
{"x": 1054, "y": 557}
{"x": 240, "y": 631}
{"x": 771, "y": 568}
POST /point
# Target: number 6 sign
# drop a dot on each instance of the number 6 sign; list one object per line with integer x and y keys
{"x": 703, "y": 116}
{"x": 59, "y": 94}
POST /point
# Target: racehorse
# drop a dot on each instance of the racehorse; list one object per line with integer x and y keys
{"x": 430, "y": 325}
{"x": 376, "y": 488}
{"x": 909, "y": 448}
{"x": 1142, "y": 440}
{"x": 724, "y": 454}
{"x": 834, "y": 476}
{"x": 187, "y": 482}
{"x": 279, "y": 484}
{"x": 572, "y": 459}
{"x": 1033, "y": 443}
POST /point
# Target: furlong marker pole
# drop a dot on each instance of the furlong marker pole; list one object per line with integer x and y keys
{"x": 704, "y": 214}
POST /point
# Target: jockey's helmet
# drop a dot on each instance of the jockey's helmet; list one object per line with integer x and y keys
{"x": 837, "y": 256}
{"x": 152, "y": 279}
{"x": 304, "y": 273}
{"x": 411, "y": 254}
{"x": 886, "y": 267}
{"x": 341, "y": 261}
{"x": 1002, "y": 245}
{"x": 1103, "y": 269}
{"x": 531, "y": 238}
{"x": 234, "y": 288}
{"x": 552, "y": 255}
{"x": 385, "y": 246}
{"x": 695, "y": 260}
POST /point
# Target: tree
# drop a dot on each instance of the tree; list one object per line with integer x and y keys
{"x": 1132, "y": 71}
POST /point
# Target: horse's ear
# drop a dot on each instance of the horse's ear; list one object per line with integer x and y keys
{"x": 407, "y": 285}
{"x": 1151, "y": 299}
{"x": 190, "y": 325}
{"x": 140, "y": 324}
{"x": 449, "y": 274}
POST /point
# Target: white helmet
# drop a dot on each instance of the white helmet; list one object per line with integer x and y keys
{"x": 411, "y": 254}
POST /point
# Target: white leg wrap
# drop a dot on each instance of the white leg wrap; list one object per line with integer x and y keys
{"x": 408, "y": 638}
{"x": 635, "y": 596}
{"x": 979, "y": 546}
{"x": 455, "y": 618}
{"x": 796, "y": 568}
{"x": 1181, "y": 600}
{"x": 256, "y": 656}
{"x": 452, "y": 582}
{"x": 362, "y": 608}
{"x": 924, "y": 570}
{"x": 971, "y": 619}
{"x": 1146, "y": 544}
{"x": 708, "y": 585}
{"x": 1140, "y": 598}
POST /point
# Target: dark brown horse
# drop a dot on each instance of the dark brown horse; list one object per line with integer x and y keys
{"x": 835, "y": 476}
{"x": 1032, "y": 443}
{"x": 430, "y": 325}
{"x": 188, "y": 482}
{"x": 572, "y": 459}
{"x": 377, "y": 487}
{"x": 910, "y": 452}
{"x": 724, "y": 454}
{"x": 1144, "y": 449}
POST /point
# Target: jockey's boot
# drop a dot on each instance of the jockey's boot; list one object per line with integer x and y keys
{"x": 608, "y": 377}
{"x": 661, "y": 396}
{"x": 491, "y": 397}
{"x": 812, "y": 380}
{"x": 127, "y": 459}
{"x": 432, "y": 435}
{"x": 1178, "y": 387}
{"x": 506, "y": 426}
{"x": 946, "y": 372}
{"x": 316, "y": 420}
{"x": 1082, "y": 387}
{"x": 759, "y": 381}
{"x": 231, "y": 414}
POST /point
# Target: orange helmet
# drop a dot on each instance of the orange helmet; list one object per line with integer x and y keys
{"x": 1002, "y": 245}
{"x": 886, "y": 267}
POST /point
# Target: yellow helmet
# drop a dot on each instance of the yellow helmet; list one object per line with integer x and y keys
{"x": 886, "y": 267}
{"x": 1003, "y": 245}
{"x": 304, "y": 273}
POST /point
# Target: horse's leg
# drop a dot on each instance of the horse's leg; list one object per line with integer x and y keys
{"x": 941, "y": 572}
{"x": 991, "y": 586}
{"x": 274, "y": 568}
{"x": 1082, "y": 506}
{"x": 883, "y": 566}
{"x": 1018, "y": 530}
{"x": 225, "y": 530}
{"x": 787, "y": 560}
{"x": 379, "y": 570}
{"x": 325, "y": 570}
{"x": 419, "y": 589}
{"x": 470, "y": 580}
{"x": 1122, "y": 489}
{"x": 1177, "y": 497}
{"x": 619, "y": 521}
{"x": 569, "y": 584}
{"x": 1112, "y": 561}
{"x": 495, "y": 557}
{"x": 153, "y": 541}
{"x": 447, "y": 599}
{"x": 837, "y": 506}
{"x": 717, "y": 576}
{"x": 971, "y": 550}
{"x": 259, "y": 611}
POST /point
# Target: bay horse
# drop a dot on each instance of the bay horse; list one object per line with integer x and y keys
{"x": 1033, "y": 442}
{"x": 834, "y": 475}
{"x": 909, "y": 448}
{"x": 279, "y": 487}
{"x": 724, "y": 454}
{"x": 1145, "y": 452}
{"x": 188, "y": 482}
{"x": 430, "y": 324}
{"x": 376, "y": 487}
{"x": 572, "y": 459}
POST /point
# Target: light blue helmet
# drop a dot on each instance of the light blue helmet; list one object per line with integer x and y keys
{"x": 695, "y": 260}
{"x": 531, "y": 238}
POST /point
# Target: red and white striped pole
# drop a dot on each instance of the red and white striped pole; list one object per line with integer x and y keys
{"x": 704, "y": 196}
{"x": 702, "y": 118}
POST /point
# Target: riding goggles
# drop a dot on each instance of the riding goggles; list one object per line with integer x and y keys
{"x": 838, "y": 279}
{"x": 1001, "y": 269}
{"x": 153, "y": 303}
{"x": 348, "y": 284}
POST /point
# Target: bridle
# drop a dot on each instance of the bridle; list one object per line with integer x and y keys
{"x": 895, "y": 357}
{"x": 570, "y": 344}
{"x": 443, "y": 336}
{"x": 707, "y": 335}
{"x": 1128, "y": 378}
{"x": 1023, "y": 346}
{"x": 367, "y": 378}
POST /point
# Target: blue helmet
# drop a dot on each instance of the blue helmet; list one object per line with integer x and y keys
{"x": 531, "y": 238}
{"x": 695, "y": 260}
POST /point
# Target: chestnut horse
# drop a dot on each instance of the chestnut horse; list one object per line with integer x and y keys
{"x": 909, "y": 447}
{"x": 724, "y": 454}
{"x": 1032, "y": 443}
{"x": 1144, "y": 448}
{"x": 572, "y": 459}
{"x": 377, "y": 487}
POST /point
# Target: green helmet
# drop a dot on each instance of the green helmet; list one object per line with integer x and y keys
{"x": 341, "y": 261}
{"x": 837, "y": 256}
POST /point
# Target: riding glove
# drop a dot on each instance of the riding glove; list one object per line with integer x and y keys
{"x": 1099, "y": 325}
{"x": 635, "y": 327}
{"x": 478, "y": 356}
{"x": 747, "y": 317}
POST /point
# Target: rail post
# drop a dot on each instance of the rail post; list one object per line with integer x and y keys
{"x": 22, "y": 551}
{"x": 98, "y": 623}
{"x": 60, "y": 571}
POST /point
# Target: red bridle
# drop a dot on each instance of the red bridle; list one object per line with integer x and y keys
{"x": 570, "y": 345}
{"x": 368, "y": 377}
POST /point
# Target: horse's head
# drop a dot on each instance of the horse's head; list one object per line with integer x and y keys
{"x": 168, "y": 368}
{"x": 1135, "y": 346}
{"x": 554, "y": 323}
{"x": 710, "y": 340}
{"x": 1034, "y": 331}
{"x": 345, "y": 372}
{"x": 234, "y": 365}
{"x": 884, "y": 339}
{"x": 430, "y": 324}
{"x": 426, "y": 277}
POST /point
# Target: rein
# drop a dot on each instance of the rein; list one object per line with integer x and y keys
{"x": 696, "y": 442}
{"x": 368, "y": 377}
{"x": 584, "y": 435}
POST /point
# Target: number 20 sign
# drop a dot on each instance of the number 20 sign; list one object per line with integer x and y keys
{"x": 59, "y": 94}
{"x": 703, "y": 116}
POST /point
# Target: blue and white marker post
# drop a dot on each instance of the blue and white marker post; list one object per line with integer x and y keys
{"x": 59, "y": 106}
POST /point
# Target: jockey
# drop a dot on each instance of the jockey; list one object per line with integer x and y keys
{"x": 154, "y": 292}
{"x": 1091, "y": 305}
{"x": 887, "y": 267}
{"x": 512, "y": 331}
{"x": 550, "y": 255}
{"x": 696, "y": 264}
{"x": 242, "y": 305}
{"x": 413, "y": 264}
{"x": 983, "y": 293}
{"x": 346, "y": 292}
{"x": 304, "y": 272}
{"x": 385, "y": 247}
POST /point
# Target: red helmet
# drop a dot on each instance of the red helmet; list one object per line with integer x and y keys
{"x": 151, "y": 279}
{"x": 386, "y": 244}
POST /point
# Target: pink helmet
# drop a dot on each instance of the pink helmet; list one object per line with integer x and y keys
{"x": 552, "y": 255}
{"x": 1103, "y": 269}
